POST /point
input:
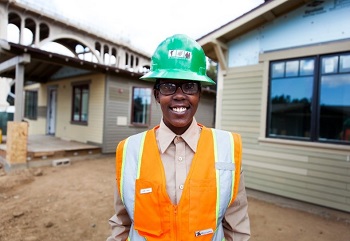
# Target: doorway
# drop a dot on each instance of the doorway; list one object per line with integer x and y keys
{"x": 51, "y": 110}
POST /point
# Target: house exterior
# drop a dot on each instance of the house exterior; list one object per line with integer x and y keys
{"x": 113, "y": 107}
{"x": 92, "y": 95}
{"x": 284, "y": 85}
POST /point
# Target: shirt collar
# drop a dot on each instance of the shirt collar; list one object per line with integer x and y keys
{"x": 190, "y": 136}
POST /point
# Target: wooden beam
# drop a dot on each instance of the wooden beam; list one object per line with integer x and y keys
{"x": 218, "y": 48}
{"x": 17, "y": 63}
{"x": 269, "y": 16}
{"x": 11, "y": 63}
{"x": 222, "y": 45}
{"x": 4, "y": 45}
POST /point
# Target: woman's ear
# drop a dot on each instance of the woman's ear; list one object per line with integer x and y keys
{"x": 156, "y": 95}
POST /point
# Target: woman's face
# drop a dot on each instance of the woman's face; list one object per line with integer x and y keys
{"x": 178, "y": 108}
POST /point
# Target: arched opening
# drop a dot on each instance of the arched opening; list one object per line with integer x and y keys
{"x": 15, "y": 19}
{"x": 98, "y": 48}
{"x": 29, "y": 31}
{"x": 113, "y": 60}
{"x": 12, "y": 33}
{"x": 126, "y": 59}
{"x": 13, "y": 27}
{"x": 106, "y": 56}
{"x": 132, "y": 61}
{"x": 44, "y": 31}
{"x": 57, "y": 48}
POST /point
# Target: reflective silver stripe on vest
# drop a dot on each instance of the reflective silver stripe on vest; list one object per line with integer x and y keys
{"x": 219, "y": 234}
{"x": 132, "y": 156}
{"x": 134, "y": 235}
{"x": 225, "y": 166}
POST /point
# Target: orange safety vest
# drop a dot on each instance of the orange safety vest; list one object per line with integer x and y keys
{"x": 210, "y": 187}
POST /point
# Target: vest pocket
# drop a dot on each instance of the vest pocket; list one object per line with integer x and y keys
{"x": 147, "y": 217}
{"x": 202, "y": 211}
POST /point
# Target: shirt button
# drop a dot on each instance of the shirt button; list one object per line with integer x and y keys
{"x": 180, "y": 158}
{"x": 181, "y": 187}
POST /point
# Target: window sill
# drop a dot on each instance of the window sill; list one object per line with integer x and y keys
{"x": 139, "y": 125}
{"x": 79, "y": 123}
{"x": 295, "y": 144}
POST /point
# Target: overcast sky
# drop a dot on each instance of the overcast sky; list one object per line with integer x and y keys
{"x": 145, "y": 23}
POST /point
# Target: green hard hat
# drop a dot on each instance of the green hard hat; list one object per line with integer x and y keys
{"x": 179, "y": 57}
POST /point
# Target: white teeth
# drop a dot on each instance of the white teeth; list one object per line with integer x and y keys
{"x": 179, "y": 109}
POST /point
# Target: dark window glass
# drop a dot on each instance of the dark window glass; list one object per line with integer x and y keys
{"x": 141, "y": 105}
{"x": 31, "y": 104}
{"x": 80, "y": 103}
{"x": 290, "y": 103}
{"x": 335, "y": 100}
{"x": 310, "y": 104}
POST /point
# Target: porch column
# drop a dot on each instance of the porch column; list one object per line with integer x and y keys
{"x": 16, "y": 145}
{"x": 19, "y": 94}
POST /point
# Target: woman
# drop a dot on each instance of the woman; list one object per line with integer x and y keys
{"x": 180, "y": 180}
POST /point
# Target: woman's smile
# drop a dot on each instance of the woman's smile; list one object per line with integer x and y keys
{"x": 177, "y": 107}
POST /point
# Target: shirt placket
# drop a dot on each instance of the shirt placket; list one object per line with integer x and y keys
{"x": 180, "y": 166}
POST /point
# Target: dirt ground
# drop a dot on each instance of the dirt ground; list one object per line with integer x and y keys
{"x": 74, "y": 202}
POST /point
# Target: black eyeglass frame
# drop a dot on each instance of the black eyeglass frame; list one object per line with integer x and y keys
{"x": 177, "y": 85}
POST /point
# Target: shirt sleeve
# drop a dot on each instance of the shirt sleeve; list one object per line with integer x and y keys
{"x": 120, "y": 222}
{"x": 236, "y": 222}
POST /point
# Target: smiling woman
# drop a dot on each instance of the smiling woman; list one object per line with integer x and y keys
{"x": 179, "y": 180}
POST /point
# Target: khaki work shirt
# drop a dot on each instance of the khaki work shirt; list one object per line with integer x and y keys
{"x": 177, "y": 153}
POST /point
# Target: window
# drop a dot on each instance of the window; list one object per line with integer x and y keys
{"x": 141, "y": 105}
{"x": 80, "y": 105}
{"x": 309, "y": 99}
{"x": 31, "y": 104}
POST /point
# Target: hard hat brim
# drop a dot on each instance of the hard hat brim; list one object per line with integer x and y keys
{"x": 177, "y": 74}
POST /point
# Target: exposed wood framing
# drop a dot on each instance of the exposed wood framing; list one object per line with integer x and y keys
{"x": 11, "y": 63}
{"x": 18, "y": 63}
{"x": 220, "y": 50}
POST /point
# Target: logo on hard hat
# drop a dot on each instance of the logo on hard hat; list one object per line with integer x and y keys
{"x": 179, "y": 54}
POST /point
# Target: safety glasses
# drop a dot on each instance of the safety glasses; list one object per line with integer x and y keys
{"x": 189, "y": 88}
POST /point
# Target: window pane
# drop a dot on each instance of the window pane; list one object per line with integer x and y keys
{"x": 80, "y": 103}
{"x": 277, "y": 70}
{"x": 31, "y": 103}
{"x": 290, "y": 108}
{"x": 141, "y": 105}
{"x": 344, "y": 63}
{"x": 292, "y": 68}
{"x": 76, "y": 107}
{"x": 330, "y": 65}
{"x": 307, "y": 67}
{"x": 85, "y": 105}
{"x": 335, "y": 107}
